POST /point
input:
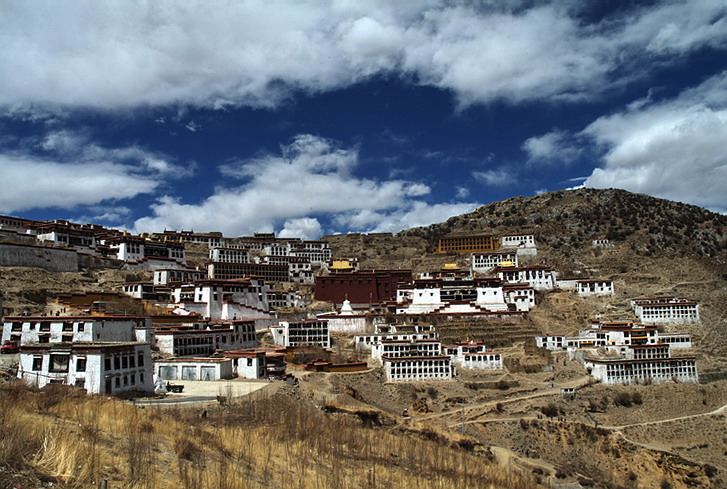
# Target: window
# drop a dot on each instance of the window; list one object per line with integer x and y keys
{"x": 117, "y": 362}
{"x": 59, "y": 363}
{"x": 125, "y": 362}
{"x": 107, "y": 363}
{"x": 37, "y": 364}
{"x": 81, "y": 364}
{"x": 140, "y": 359}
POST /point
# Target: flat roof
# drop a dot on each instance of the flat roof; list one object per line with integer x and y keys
{"x": 639, "y": 360}
{"x": 80, "y": 346}
{"x": 194, "y": 360}
{"x": 404, "y": 359}
{"x": 78, "y": 317}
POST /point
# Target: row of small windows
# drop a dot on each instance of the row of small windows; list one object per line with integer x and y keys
{"x": 45, "y": 326}
{"x": 123, "y": 361}
{"x": 128, "y": 380}
{"x": 482, "y": 358}
{"x": 675, "y": 339}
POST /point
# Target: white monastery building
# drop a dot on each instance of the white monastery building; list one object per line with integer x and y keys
{"x": 300, "y": 333}
{"x": 642, "y": 371}
{"x": 418, "y": 369}
{"x": 660, "y": 310}
{"x": 587, "y": 288}
{"x": 539, "y": 277}
{"x": 194, "y": 369}
{"x": 66, "y": 329}
{"x": 641, "y": 354}
{"x": 99, "y": 367}
{"x": 418, "y": 332}
{"x": 142, "y": 253}
{"x": 517, "y": 241}
{"x": 182, "y": 342}
{"x": 474, "y": 355}
{"x": 406, "y": 348}
{"x": 258, "y": 363}
{"x": 229, "y": 255}
{"x": 443, "y": 295}
{"x": 223, "y": 299}
{"x": 485, "y": 262}
{"x": 615, "y": 335}
{"x": 167, "y": 276}
{"x": 523, "y": 244}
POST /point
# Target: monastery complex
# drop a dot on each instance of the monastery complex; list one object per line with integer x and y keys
{"x": 207, "y": 322}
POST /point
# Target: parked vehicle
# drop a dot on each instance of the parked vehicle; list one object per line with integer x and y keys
{"x": 176, "y": 388}
{"x": 10, "y": 346}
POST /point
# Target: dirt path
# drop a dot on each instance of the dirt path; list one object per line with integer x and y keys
{"x": 719, "y": 410}
{"x": 617, "y": 430}
{"x": 580, "y": 382}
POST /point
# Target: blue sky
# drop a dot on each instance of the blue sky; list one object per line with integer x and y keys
{"x": 312, "y": 117}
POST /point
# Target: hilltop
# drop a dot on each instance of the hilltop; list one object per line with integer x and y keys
{"x": 565, "y": 221}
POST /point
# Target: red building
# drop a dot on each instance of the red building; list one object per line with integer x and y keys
{"x": 360, "y": 287}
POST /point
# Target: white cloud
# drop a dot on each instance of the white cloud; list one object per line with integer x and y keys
{"x": 417, "y": 214}
{"x": 105, "y": 215}
{"x": 303, "y": 227}
{"x": 310, "y": 176}
{"x": 462, "y": 192}
{"x": 32, "y": 183}
{"x": 553, "y": 147}
{"x": 672, "y": 149}
{"x": 192, "y": 126}
{"x": 111, "y": 55}
{"x": 67, "y": 169}
{"x": 495, "y": 178}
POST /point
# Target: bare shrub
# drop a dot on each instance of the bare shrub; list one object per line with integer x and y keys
{"x": 550, "y": 410}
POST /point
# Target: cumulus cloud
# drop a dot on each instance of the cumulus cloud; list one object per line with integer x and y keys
{"x": 302, "y": 227}
{"x": 66, "y": 169}
{"x": 310, "y": 176}
{"x": 673, "y": 149}
{"x": 68, "y": 54}
{"x": 553, "y": 147}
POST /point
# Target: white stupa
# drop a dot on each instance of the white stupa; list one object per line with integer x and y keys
{"x": 346, "y": 309}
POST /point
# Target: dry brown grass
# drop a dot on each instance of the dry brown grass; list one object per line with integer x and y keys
{"x": 253, "y": 443}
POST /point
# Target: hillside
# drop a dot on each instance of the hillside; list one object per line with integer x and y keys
{"x": 59, "y": 437}
{"x": 660, "y": 247}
